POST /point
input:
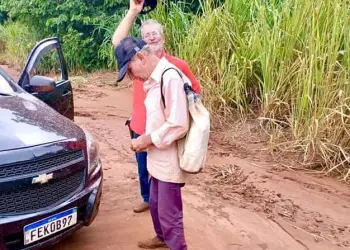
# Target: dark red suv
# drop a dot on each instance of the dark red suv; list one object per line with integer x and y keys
{"x": 50, "y": 170}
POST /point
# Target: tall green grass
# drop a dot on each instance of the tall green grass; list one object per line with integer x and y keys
{"x": 287, "y": 62}
{"x": 18, "y": 39}
{"x": 106, "y": 50}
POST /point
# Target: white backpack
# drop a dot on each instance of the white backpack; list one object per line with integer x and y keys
{"x": 192, "y": 148}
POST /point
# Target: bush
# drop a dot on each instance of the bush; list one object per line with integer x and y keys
{"x": 80, "y": 25}
{"x": 3, "y": 16}
{"x": 85, "y": 27}
{"x": 18, "y": 39}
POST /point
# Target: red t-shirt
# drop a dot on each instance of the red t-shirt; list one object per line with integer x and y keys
{"x": 138, "y": 119}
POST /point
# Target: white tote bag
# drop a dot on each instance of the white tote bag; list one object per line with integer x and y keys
{"x": 192, "y": 148}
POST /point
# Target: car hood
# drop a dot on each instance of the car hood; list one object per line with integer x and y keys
{"x": 26, "y": 121}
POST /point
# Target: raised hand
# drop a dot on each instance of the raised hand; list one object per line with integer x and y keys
{"x": 136, "y": 6}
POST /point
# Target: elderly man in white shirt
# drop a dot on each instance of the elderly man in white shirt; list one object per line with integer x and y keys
{"x": 164, "y": 126}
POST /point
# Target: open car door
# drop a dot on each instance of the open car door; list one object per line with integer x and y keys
{"x": 52, "y": 87}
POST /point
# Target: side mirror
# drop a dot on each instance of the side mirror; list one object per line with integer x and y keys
{"x": 42, "y": 84}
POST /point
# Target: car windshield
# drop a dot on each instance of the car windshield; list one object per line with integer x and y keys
{"x": 5, "y": 86}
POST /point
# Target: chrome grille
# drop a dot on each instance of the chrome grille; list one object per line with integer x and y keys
{"x": 38, "y": 165}
{"x": 37, "y": 196}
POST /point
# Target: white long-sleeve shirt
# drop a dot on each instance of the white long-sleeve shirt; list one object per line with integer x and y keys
{"x": 167, "y": 125}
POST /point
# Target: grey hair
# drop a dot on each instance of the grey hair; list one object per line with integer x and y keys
{"x": 152, "y": 22}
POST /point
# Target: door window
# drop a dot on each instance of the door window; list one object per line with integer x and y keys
{"x": 49, "y": 65}
{"x": 46, "y": 59}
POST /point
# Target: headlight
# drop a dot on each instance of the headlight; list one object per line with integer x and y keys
{"x": 92, "y": 151}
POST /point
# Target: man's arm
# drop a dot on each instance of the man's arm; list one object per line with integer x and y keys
{"x": 195, "y": 83}
{"x": 176, "y": 113}
{"x": 124, "y": 27}
{"x": 176, "y": 122}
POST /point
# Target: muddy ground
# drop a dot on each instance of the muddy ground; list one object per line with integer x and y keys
{"x": 243, "y": 199}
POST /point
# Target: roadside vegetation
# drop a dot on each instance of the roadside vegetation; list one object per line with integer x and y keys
{"x": 284, "y": 62}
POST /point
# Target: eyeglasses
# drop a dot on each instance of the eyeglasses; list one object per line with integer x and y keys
{"x": 151, "y": 34}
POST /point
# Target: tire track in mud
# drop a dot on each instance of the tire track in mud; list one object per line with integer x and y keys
{"x": 105, "y": 133}
{"x": 246, "y": 189}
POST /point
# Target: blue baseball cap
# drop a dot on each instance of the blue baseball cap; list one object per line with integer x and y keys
{"x": 127, "y": 48}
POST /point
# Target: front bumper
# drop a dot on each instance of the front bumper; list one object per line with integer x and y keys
{"x": 87, "y": 201}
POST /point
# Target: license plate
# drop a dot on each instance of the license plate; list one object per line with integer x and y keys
{"x": 51, "y": 225}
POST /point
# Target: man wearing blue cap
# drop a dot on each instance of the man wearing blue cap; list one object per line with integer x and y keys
{"x": 165, "y": 124}
{"x": 152, "y": 33}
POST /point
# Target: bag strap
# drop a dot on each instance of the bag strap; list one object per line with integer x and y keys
{"x": 161, "y": 83}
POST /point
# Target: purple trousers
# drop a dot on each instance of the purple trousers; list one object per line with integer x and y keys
{"x": 166, "y": 210}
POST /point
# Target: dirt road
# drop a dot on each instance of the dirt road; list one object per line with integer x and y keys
{"x": 242, "y": 201}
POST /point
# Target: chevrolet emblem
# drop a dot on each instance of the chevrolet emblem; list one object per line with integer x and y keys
{"x": 42, "y": 179}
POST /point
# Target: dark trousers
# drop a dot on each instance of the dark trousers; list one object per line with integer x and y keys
{"x": 167, "y": 215}
{"x": 141, "y": 158}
